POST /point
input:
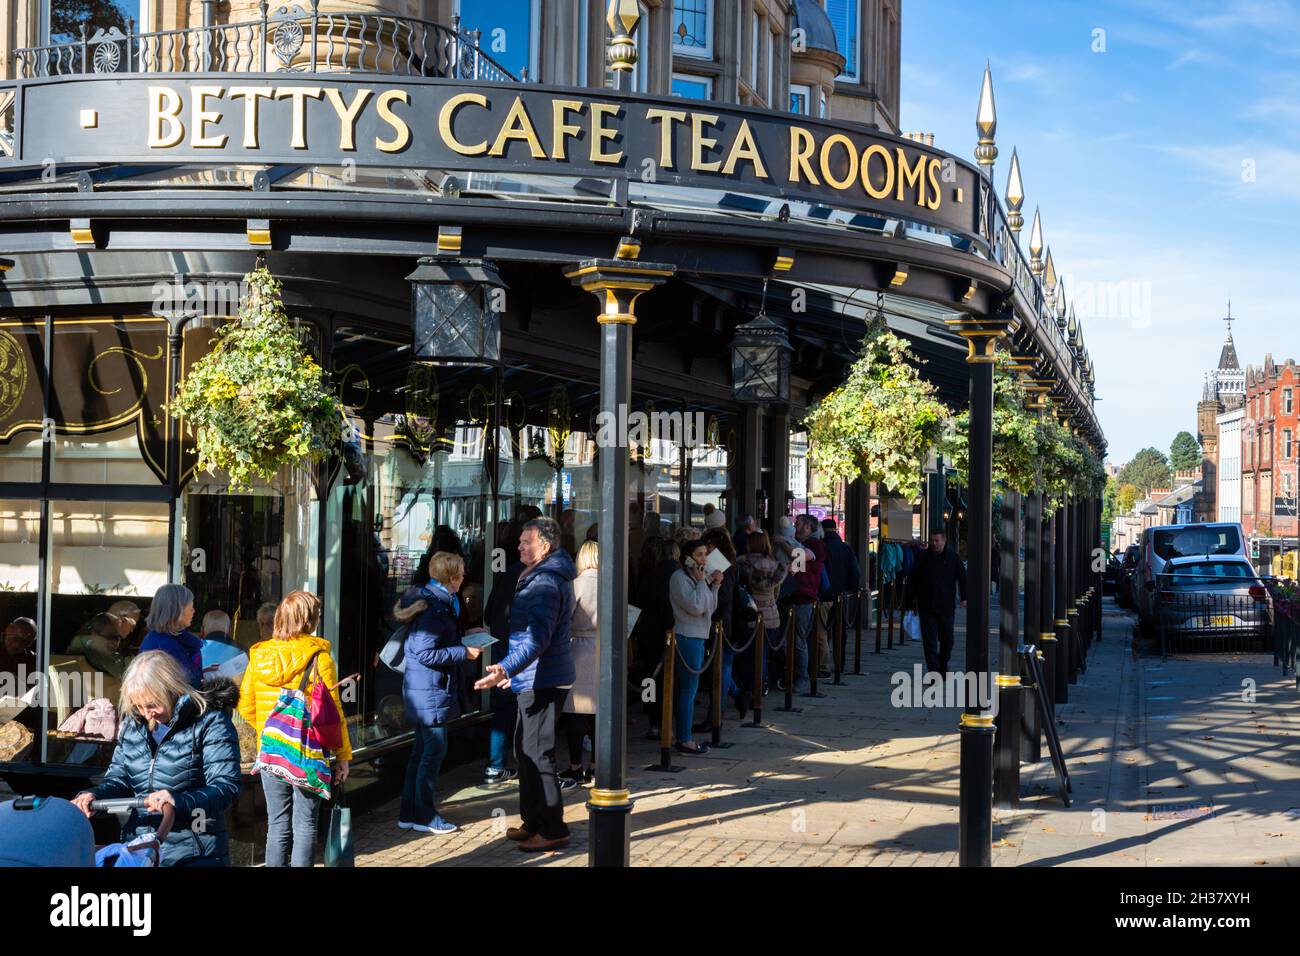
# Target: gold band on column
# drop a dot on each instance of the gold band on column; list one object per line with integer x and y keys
{"x": 976, "y": 721}
{"x": 610, "y": 798}
{"x": 1007, "y": 680}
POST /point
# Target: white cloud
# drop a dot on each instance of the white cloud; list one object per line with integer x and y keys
{"x": 1189, "y": 56}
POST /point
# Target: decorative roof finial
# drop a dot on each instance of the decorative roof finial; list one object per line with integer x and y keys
{"x": 1015, "y": 195}
{"x": 986, "y": 124}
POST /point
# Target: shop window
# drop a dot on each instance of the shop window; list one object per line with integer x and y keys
{"x": 711, "y": 440}
{"x": 101, "y": 554}
{"x": 509, "y": 31}
{"x": 693, "y": 28}
{"x": 846, "y": 19}
{"x": 798, "y": 471}
{"x": 107, "y": 395}
{"x": 417, "y": 477}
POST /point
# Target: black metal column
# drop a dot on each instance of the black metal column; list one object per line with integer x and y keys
{"x": 1030, "y": 750}
{"x": 1047, "y": 610}
{"x": 1072, "y": 609}
{"x": 617, "y": 284}
{"x": 1006, "y": 772}
{"x": 1062, "y": 602}
{"x": 975, "y": 813}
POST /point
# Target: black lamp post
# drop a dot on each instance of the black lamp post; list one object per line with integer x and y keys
{"x": 760, "y": 362}
{"x": 454, "y": 314}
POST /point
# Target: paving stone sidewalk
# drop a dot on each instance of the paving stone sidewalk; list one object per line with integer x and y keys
{"x": 1170, "y": 767}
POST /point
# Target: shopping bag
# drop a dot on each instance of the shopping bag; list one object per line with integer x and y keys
{"x": 288, "y": 748}
{"x": 912, "y": 625}
{"x": 339, "y": 850}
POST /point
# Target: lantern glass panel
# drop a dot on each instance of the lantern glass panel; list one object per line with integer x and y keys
{"x": 452, "y": 325}
{"x": 760, "y": 373}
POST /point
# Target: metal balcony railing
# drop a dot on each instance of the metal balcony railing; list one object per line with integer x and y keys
{"x": 287, "y": 39}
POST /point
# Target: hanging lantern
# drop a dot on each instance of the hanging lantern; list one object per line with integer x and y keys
{"x": 760, "y": 362}
{"x": 455, "y": 315}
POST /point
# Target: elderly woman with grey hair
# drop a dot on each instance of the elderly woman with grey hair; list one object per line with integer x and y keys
{"x": 177, "y": 748}
{"x": 170, "y": 615}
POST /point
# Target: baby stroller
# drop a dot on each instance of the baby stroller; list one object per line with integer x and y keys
{"x": 49, "y": 831}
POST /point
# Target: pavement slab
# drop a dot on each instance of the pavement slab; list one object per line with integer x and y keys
{"x": 1178, "y": 762}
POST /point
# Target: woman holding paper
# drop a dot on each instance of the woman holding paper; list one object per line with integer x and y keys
{"x": 694, "y": 595}
{"x": 432, "y": 688}
{"x": 580, "y": 706}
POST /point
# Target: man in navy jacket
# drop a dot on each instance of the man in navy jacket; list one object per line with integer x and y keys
{"x": 539, "y": 669}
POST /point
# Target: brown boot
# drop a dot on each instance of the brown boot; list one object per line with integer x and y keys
{"x": 519, "y": 834}
{"x": 538, "y": 843}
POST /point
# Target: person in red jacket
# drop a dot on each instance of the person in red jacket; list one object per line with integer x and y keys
{"x": 807, "y": 585}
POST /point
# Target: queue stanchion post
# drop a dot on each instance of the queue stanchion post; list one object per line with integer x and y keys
{"x": 716, "y": 709}
{"x": 837, "y": 633}
{"x": 760, "y": 669}
{"x": 814, "y": 649}
{"x": 857, "y": 640}
{"x": 893, "y": 597}
{"x": 665, "y": 764}
{"x": 789, "y": 707}
{"x": 876, "y": 597}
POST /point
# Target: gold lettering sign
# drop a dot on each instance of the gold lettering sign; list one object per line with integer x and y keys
{"x": 488, "y": 123}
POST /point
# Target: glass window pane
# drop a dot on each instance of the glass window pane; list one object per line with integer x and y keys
{"x": 844, "y": 18}
{"x": 68, "y": 16}
{"x": 414, "y": 480}
{"x": 693, "y": 27}
{"x": 108, "y": 389}
{"x": 692, "y": 87}
{"x": 711, "y": 438}
{"x": 507, "y": 30}
{"x": 101, "y": 554}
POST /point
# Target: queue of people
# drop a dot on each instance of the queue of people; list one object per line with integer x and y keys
{"x": 542, "y": 621}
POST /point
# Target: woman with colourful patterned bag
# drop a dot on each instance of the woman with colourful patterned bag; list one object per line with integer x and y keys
{"x": 276, "y": 698}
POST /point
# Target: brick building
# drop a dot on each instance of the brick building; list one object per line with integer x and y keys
{"x": 1269, "y": 435}
{"x": 1224, "y": 391}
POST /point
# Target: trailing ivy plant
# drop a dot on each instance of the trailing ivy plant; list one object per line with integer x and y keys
{"x": 1017, "y": 440}
{"x": 1063, "y": 462}
{"x": 258, "y": 400}
{"x": 881, "y": 423}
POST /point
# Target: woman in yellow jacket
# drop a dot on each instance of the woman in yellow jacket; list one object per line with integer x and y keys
{"x": 292, "y": 813}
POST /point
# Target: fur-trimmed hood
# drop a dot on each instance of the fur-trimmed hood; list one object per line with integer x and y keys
{"x": 222, "y": 693}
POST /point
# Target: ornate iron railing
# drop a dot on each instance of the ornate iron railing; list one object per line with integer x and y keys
{"x": 288, "y": 39}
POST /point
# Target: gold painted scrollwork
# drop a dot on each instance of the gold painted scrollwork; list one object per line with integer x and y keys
{"x": 13, "y": 374}
{"x": 558, "y": 419}
{"x": 421, "y": 403}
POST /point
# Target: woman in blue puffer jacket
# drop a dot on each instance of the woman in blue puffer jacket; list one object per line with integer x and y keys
{"x": 432, "y": 688}
{"x": 177, "y": 746}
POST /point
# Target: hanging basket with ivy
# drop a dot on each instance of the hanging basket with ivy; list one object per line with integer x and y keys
{"x": 258, "y": 402}
{"x": 1063, "y": 462}
{"x": 881, "y": 423}
{"x": 1017, "y": 440}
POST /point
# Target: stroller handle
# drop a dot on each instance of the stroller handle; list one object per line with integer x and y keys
{"x": 113, "y": 805}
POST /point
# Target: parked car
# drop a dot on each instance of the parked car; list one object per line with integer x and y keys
{"x": 1165, "y": 543}
{"x": 1124, "y": 576}
{"x": 1215, "y": 596}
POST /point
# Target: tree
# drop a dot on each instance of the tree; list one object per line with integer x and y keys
{"x": 1126, "y": 498}
{"x": 1184, "y": 453}
{"x": 1148, "y": 469}
{"x": 1108, "y": 501}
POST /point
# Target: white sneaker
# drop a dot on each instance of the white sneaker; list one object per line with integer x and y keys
{"x": 404, "y": 826}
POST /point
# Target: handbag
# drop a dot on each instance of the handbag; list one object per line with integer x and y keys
{"x": 912, "y": 625}
{"x": 339, "y": 848}
{"x": 288, "y": 749}
{"x": 326, "y": 721}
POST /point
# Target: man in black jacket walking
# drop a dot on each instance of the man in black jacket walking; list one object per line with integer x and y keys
{"x": 935, "y": 584}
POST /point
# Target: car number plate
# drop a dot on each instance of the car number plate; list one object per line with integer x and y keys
{"x": 1222, "y": 620}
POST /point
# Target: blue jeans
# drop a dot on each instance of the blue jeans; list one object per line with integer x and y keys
{"x": 283, "y": 801}
{"x": 502, "y": 733}
{"x": 803, "y": 625}
{"x": 420, "y": 792}
{"x": 728, "y": 663}
{"x": 691, "y": 650}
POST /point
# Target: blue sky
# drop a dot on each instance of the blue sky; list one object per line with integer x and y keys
{"x": 1167, "y": 167}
